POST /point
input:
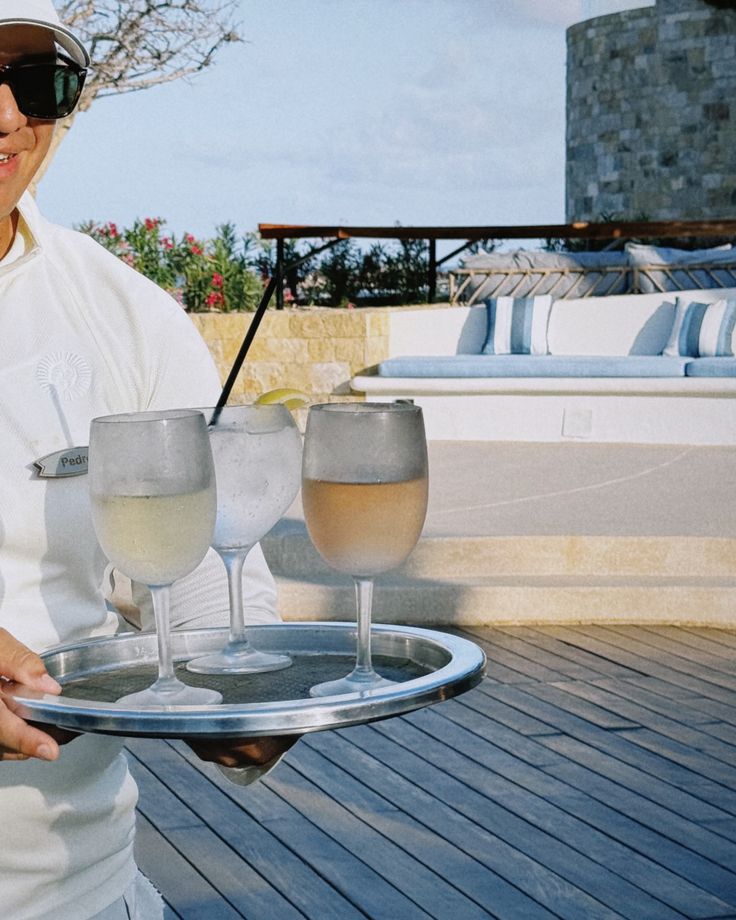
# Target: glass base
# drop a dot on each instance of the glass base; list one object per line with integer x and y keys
{"x": 355, "y": 682}
{"x": 171, "y": 692}
{"x": 238, "y": 658}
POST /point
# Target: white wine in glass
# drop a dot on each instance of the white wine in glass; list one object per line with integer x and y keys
{"x": 257, "y": 452}
{"x": 153, "y": 497}
{"x": 364, "y": 491}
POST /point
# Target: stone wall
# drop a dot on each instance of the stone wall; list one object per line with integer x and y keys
{"x": 316, "y": 350}
{"x": 651, "y": 114}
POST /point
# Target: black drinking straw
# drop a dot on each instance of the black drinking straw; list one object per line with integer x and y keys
{"x": 253, "y": 328}
{"x": 240, "y": 357}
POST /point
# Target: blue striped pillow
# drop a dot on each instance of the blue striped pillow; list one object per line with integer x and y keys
{"x": 517, "y": 325}
{"x": 702, "y": 330}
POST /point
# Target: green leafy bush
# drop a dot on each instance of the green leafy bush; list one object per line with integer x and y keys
{"x": 202, "y": 275}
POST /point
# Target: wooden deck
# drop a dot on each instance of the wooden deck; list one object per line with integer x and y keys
{"x": 592, "y": 775}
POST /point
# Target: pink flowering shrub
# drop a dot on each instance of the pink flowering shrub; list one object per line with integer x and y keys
{"x": 203, "y": 275}
{"x": 228, "y": 272}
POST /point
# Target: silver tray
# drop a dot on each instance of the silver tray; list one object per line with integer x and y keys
{"x": 429, "y": 666}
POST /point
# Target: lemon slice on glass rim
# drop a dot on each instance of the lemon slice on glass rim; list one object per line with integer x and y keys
{"x": 285, "y": 396}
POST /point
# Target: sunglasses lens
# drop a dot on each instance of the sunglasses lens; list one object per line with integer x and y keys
{"x": 46, "y": 90}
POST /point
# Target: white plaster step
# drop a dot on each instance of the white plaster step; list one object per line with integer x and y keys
{"x": 291, "y": 554}
{"x": 516, "y": 600}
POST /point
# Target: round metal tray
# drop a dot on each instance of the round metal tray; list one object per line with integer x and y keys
{"x": 428, "y": 666}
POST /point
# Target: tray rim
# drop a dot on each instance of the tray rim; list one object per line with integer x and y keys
{"x": 464, "y": 670}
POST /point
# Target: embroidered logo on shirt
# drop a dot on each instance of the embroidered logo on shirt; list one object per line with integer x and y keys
{"x": 65, "y": 373}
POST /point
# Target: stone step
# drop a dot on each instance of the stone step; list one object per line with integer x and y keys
{"x": 516, "y": 600}
{"x": 290, "y": 553}
{"x": 520, "y": 579}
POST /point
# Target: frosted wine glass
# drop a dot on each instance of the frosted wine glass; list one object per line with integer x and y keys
{"x": 364, "y": 491}
{"x": 257, "y": 452}
{"x": 153, "y": 497}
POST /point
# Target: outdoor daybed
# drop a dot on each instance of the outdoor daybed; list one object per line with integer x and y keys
{"x": 645, "y": 368}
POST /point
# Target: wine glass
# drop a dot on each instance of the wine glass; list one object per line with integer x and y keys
{"x": 364, "y": 491}
{"x": 153, "y": 496}
{"x": 257, "y": 452}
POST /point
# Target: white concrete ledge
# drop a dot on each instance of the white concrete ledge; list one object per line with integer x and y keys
{"x": 437, "y": 386}
{"x": 677, "y": 410}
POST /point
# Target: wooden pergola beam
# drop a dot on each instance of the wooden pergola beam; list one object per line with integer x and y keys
{"x": 610, "y": 230}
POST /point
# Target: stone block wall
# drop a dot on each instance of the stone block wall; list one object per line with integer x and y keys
{"x": 651, "y": 114}
{"x": 316, "y": 350}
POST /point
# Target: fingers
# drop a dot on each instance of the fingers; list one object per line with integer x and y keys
{"x": 242, "y": 752}
{"x": 19, "y": 741}
{"x": 60, "y": 735}
{"x": 19, "y": 663}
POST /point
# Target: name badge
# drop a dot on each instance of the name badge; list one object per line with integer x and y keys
{"x": 62, "y": 463}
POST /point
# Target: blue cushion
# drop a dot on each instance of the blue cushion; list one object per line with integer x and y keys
{"x": 533, "y": 366}
{"x": 711, "y": 367}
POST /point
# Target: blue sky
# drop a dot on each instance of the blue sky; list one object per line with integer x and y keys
{"x": 341, "y": 111}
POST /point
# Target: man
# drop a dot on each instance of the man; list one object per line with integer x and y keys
{"x": 82, "y": 335}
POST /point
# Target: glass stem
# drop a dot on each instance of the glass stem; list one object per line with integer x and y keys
{"x": 364, "y": 602}
{"x": 234, "y": 561}
{"x": 160, "y": 595}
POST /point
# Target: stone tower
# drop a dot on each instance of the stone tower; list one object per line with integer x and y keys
{"x": 651, "y": 113}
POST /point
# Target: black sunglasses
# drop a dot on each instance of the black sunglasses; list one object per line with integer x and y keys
{"x": 45, "y": 89}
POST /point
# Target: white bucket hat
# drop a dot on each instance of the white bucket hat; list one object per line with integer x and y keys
{"x": 42, "y": 13}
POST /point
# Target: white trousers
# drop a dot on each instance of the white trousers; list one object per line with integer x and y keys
{"x": 141, "y": 901}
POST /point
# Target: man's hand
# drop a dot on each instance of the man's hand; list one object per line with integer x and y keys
{"x": 242, "y": 752}
{"x": 18, "y": 739}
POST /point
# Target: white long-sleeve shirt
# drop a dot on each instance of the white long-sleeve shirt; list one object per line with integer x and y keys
{"x": 81, "y": 335}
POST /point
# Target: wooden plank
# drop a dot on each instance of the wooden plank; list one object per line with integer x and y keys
{"x": 475, "y": 710}
{"x": 592, "y": 777}
{"x": 726, "y": 637}
{"x": 671, "y": 742}
{"x": 604, "y": 691}
{"x": 561, "y": 647}
{"x": 227, "y": 872}
{"x": 657, "y": 766}
{"x": 482, "y": 700}
{"x": 318, "y": 846}
{"x": 656, "y": 757}
{"x": 684, "y": 754}
{"x": 557, "y": 795}
{"x": 518, "y": 668}
{"x": 546, "y": 657}
{"x": 676, "y": 664}
{"x": 659, "y": 793}
{"x": 699, "y": 737}
{"x": 537, "y": 883}
{"x": 639, "y": 704}
{"x": 701, "y": 661}
{"x": 712, "y": 644}
{"x": 204, "y": 790}
{"x": 590, "y": 640}
{"x": 693, "y": 852}
{"x": 470, "y": 890}
{"x": 189, "y": 894}
{"x": 532, "y": 811}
